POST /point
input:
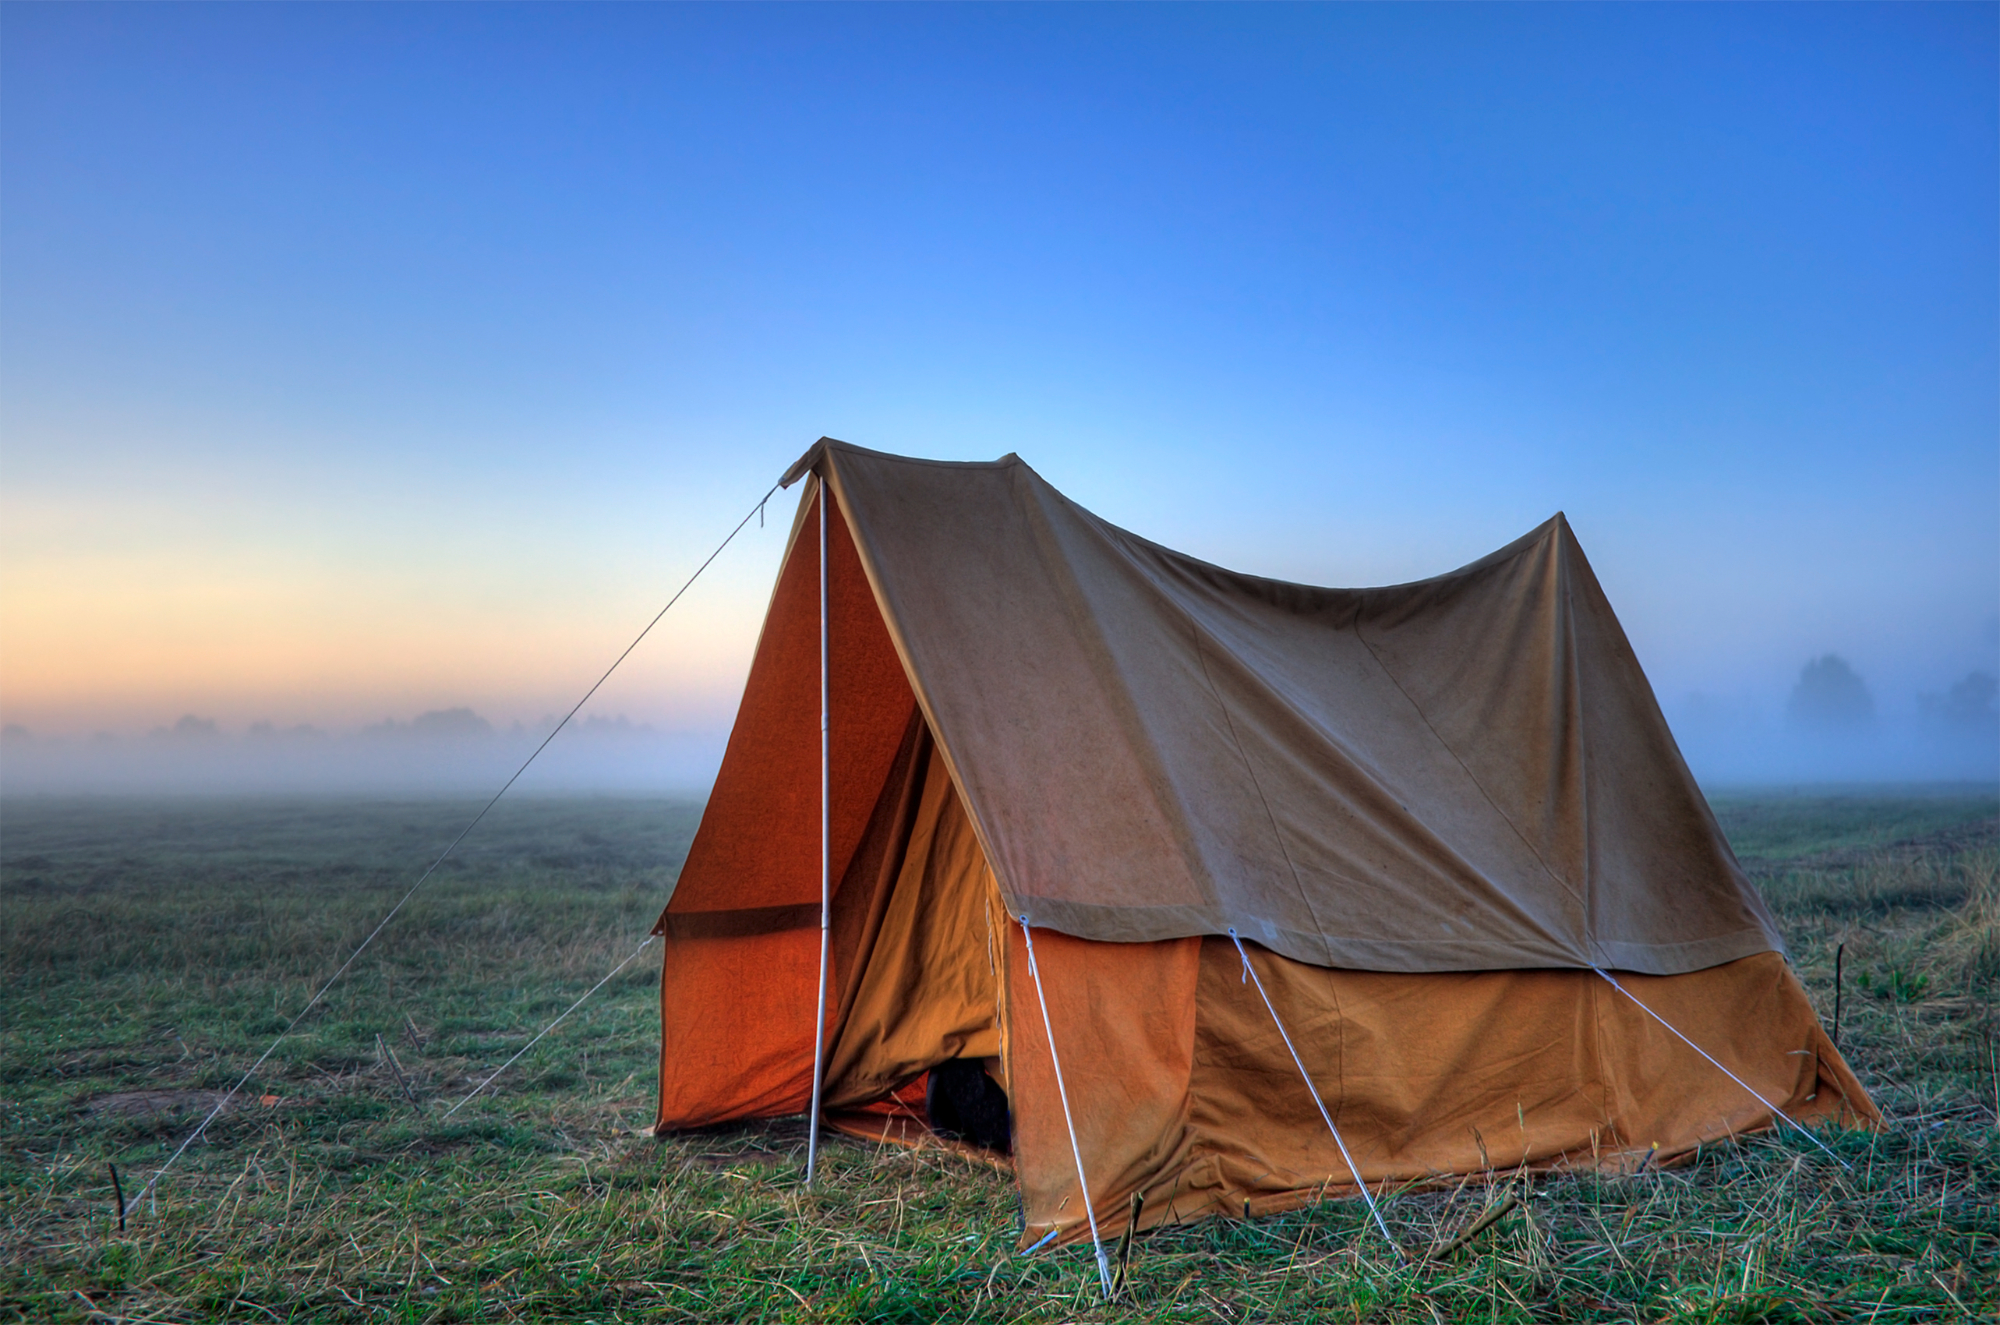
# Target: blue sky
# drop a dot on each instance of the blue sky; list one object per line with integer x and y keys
{"x": 362, "y": 360}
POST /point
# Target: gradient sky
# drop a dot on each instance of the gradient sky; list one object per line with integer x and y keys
{"x": 362, "y": 360}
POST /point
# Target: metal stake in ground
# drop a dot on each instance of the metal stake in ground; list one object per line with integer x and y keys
{"x": 1839, "y": 951}
{"x": 389, "y": 1057}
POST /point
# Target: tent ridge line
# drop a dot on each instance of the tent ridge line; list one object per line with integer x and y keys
{"x": 826, "y": 447}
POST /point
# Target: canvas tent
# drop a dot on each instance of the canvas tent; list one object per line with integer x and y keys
{"x": 1434, "y": 813}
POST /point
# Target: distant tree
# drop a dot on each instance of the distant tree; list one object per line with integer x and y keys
{"x": 1830, "y": 697}
{"x": 450, "y": 724}
{"x": 1967, "y": 707}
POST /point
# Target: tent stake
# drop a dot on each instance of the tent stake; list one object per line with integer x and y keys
{"x": 1838, "y": 952}
{"x": 1062, "y": 1093}
{"x": 825, "y": 861}
{"x": 1313, "y": 1091}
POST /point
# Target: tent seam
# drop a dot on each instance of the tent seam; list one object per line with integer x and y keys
{"x": 1472, "y": 777}
{"x": 1575, "y": 677}
{"x": 1603, "y": 1065}
{"x": 1277, "y": 833}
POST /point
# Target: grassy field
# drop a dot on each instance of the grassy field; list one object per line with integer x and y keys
{"x": 152, "y": 950}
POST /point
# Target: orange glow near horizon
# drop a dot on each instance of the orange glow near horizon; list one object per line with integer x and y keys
{"x": 127, "y": 638}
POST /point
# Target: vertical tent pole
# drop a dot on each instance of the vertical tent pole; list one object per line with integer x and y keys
{"x": 825, "y": 860}
{"x": 1313, "y": 1090}
{"x": 1076, "y": 1151}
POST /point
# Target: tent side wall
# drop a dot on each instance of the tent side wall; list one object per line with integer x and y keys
{"x": 1181, "y": 1087}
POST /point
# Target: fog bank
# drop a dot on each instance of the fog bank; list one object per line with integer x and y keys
{"x": 443, "y": 752}
{"x": 1830, "y": 727}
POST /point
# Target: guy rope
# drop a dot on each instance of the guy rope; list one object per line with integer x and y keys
{"x": 424, "y": 878}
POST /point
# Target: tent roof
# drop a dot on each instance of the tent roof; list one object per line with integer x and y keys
{"x": 1467, "y": 772}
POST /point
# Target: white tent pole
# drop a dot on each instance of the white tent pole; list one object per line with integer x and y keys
{"x": 1076, "y": 1151}
{"x": 825, "y": 860}
{"x": 1313, "y": 1091}
{"x": 1775, "y": 1110}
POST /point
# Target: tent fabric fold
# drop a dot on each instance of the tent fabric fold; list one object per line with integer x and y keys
{"x": 1428, "y": 809}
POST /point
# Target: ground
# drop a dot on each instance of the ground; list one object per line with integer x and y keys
{"x": 152, "y": 950}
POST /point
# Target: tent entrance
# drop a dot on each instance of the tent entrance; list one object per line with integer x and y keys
{"x": 919, "y": 932}
{"x": 916, "y": 937}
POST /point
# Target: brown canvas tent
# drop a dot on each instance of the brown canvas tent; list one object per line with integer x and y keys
{"x": 1437, "y": 814}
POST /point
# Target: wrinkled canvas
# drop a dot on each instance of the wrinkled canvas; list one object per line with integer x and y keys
{"x": 1465, "y": 773}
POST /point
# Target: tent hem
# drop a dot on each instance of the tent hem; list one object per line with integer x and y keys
{"x": 1127, "y": 924}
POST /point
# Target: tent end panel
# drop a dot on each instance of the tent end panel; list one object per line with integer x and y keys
{"x": 736, "y": 1016}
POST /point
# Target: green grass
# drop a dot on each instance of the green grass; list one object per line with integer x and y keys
{"x": 151, "y": 951}
{"x": 1815, "y": 822}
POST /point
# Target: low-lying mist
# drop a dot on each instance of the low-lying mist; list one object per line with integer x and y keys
{"x": 443, "y": 752}
{"x": 1829, "y": 728}
{"x": 1832, "y": 727}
